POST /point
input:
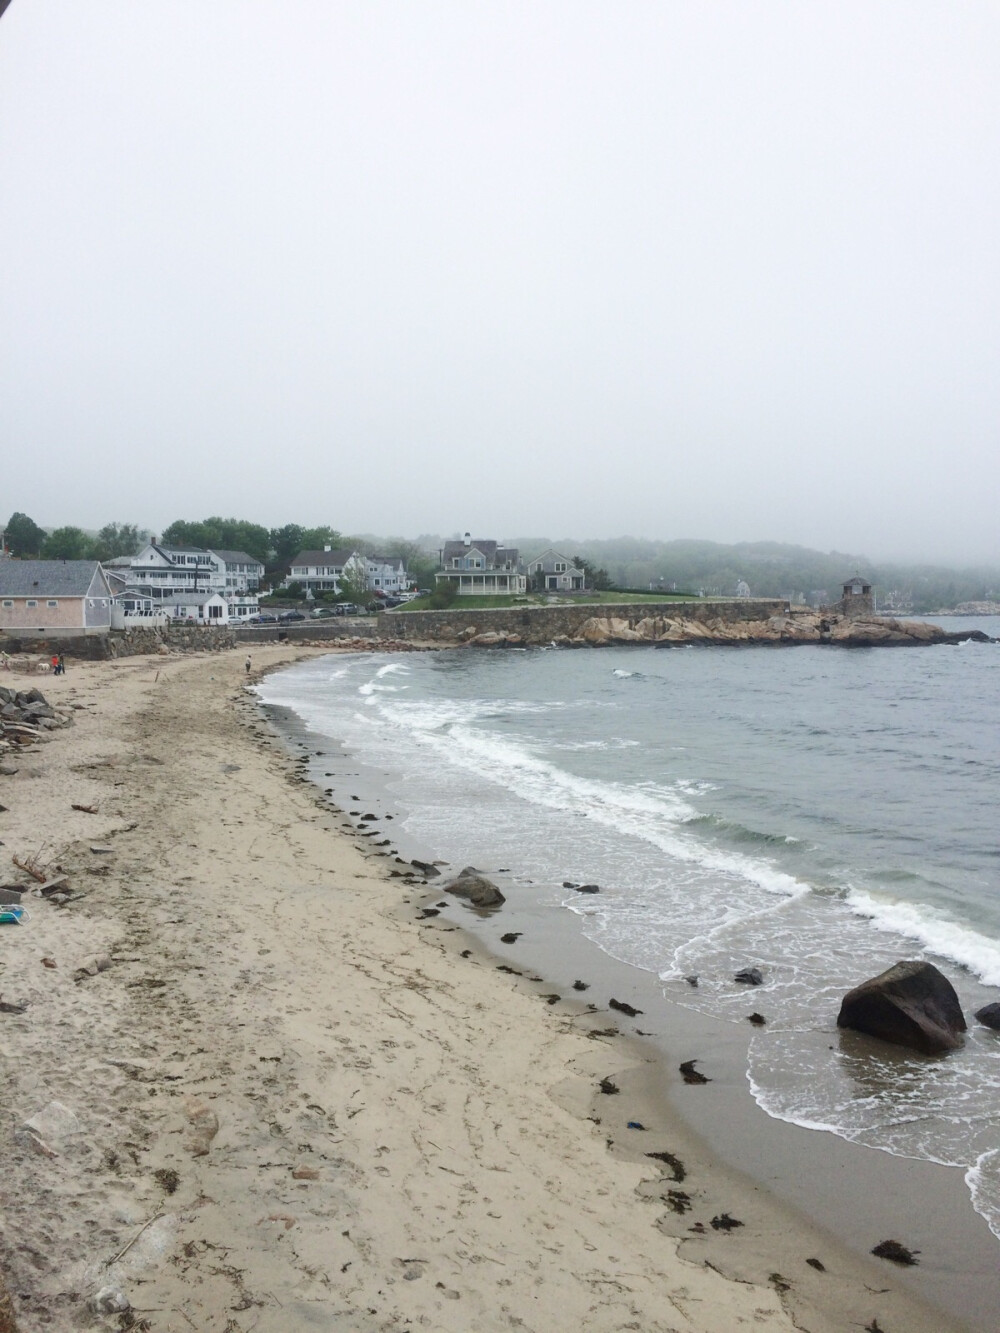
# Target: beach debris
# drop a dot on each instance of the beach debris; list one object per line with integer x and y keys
{"x": 549, "y": 999}
{"x": 424, "y": 867}
{"x": 690, "y": 1074}
{"x": 679, "y": 1201}
{"x": 511, "y": 937}
{"x": 502, "y": 967}
{"x": 49, "y": 962}
{"x": 818, "y": 1264}
{"x": 608, "y": 1087}
{"x": 426, "y": 912}
{"x": 466, "y": 953}
{"x": 91, "y": 967}
{"x": 750, "y": 976}
{"x": 758, "y": 1020}
{"x": 102, "y": 851}
{"x": 635, "y": 1124}
{"x": 691, "y": 981}
{"x": 624, "y": 1008}
{"x": 86, "y": 809}
{"x": 725, "y": 1223}
{"x": 56, "y": 885}
{"x": 989, "y": 1015}
{"x": 8, "y": 1007}
{"x": 480, "y": 891}
{"x": 109, "y": 1300}
{"x": 167, "y": 1178}
{"x": 896, "y": 1253}
{"x": 581, "y": 985}
{"x": 779, "y": 1283}
{"x": 202, "y": 1127}
{"x": 674, "y": 1162}
{"x": 911, "y": 1004}
{"x": 49, "y": 1129}
{"x": 30, "y": 866}
{"x": 305, "y": 1173}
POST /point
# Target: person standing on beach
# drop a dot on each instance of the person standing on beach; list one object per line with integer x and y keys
{"x": 248, "y": 664}
{"x": 61, "y": 668}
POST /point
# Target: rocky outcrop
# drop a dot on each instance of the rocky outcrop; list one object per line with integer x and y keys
{"x": 989, "y": 1015}
{"x": 480, "y": 891}
{"x": 911, "y": 1004}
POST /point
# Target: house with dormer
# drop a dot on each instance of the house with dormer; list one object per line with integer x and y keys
{"x": 554, "y": 572}
{"x": 481, "y": 568}
{"x": 324, "y": 571}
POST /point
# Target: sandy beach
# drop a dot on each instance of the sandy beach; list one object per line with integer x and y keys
{"x": 288, "y": 1101}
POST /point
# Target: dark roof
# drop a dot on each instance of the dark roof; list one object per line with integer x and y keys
{"x": 47, "y": 578}
{"x": 493, "y": 553}
{"x": 386, "y": 559}
{"x": 323, "y": 557}
{"x": 236, "y": 557}
{"x": 178, "y": 550}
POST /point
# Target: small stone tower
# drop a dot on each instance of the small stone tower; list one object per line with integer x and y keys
{"x": 858, "y": 600}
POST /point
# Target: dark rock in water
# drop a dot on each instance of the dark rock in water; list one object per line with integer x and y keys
{"x": 426, "y": 869}
{"x": 568, "y": 884}
{"x": 511, "y": 937}
{"x": 480, "y": 891}
{"x": 750, "y": 976}
{"x": 581, "y": 985}
{"x": 758, "y": 1020}
{"x": 911, "y": 1004}
{"x": 623, "y": 1008}
{"x": 989, "y": 1015}
{"x": 587, "y": 888}
{"x": 691, "y": 981}
{"x": 690, "y": 1074}
{"x": 899, "y": 1254}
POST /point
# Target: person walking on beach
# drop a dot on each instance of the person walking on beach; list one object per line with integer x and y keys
{"x": 248, "y": 664}
{"x": 61, "y": 668}
{"x": 55, "y": 664}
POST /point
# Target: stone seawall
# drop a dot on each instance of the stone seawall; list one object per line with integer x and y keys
{"x": 545, "y": 624}
{"x": 123, "y": 643}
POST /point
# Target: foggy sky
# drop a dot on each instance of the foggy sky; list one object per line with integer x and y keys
{"x": 715, "y": 269}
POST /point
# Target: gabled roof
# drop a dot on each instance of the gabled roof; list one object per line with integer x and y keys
{"x": 178, "y": 550}
{"x": 236, "y": 557}
{"x": 551, "y": 550}
{"x": 340, "y": 557}
{"x": 48, "y": 578}
{"x": 386, "y": 560}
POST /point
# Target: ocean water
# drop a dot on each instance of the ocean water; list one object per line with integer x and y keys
{"x": 815, "y": 812}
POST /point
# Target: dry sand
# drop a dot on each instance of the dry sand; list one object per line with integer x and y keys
{"x": 290, "y": 1104}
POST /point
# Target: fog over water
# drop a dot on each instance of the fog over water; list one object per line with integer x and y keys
{"x": 721, "y": 270}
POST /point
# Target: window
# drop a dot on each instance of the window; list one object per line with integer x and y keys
{"x": 53, "y": 604}
{"x": 30, "y": 603}
{"x": 7, "y": 603}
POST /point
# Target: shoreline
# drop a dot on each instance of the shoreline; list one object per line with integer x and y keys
{"x": 292, "y": 1105}
{"x": 730, "y": 1132}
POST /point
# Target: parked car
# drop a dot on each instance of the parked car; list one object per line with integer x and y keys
{"x": 393, "y": 601}
{"x": 321, "y": 611}
{"x": 264, "y": 618}
{"x": 345, "y": 609}
{"x": 291, "y": 615}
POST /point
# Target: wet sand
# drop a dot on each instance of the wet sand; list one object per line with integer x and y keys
{"x": 295, "y": 1102}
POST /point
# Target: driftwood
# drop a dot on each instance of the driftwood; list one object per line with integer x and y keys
{"x": 87, "y": 809}
{"x": 31, "y": 869}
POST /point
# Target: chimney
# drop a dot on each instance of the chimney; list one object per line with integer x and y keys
{"x": 468, "y": 539}
{"x": 328, "y": 547}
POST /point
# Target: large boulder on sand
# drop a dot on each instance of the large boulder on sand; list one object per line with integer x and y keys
{"x": 480, "y": 891}
{"x": 911, "y": 1004}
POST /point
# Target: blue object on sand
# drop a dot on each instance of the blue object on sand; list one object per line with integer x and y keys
{"x": 10, "y": 912}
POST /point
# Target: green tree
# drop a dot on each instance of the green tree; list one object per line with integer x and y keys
{"x": 67, "y": 544}
{"x": 221, "y": 534}
{"x": 117, "y": 539}
{"x": 354, "y": 583}
{"x": 24, "y": 537}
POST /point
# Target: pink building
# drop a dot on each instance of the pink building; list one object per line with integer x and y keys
{"x": 54, "y": 597}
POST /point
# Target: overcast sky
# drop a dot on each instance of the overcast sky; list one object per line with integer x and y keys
{"x": 678, "y": 269}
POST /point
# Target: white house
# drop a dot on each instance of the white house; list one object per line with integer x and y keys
{"x": 323, "y": 571}
{"x": 481, "y": 568}
{"x": 173, "y": 578}
{"x": 387, "y": 573}
{"x": 556, "y": 572}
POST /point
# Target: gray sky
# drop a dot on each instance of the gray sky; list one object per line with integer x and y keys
{"x": 702, "y": 269}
